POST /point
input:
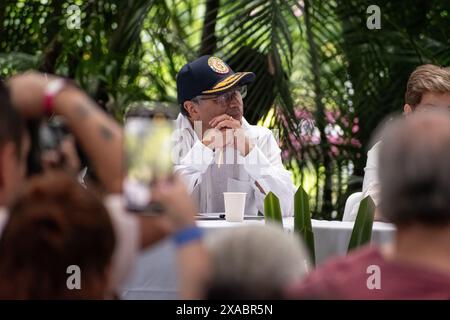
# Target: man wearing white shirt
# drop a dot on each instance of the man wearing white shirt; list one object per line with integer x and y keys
{"x": 217, "y": 149}
{"x": 428, "y": 87}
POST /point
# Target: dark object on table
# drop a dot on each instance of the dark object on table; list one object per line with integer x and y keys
{"x": 222, "y": 217}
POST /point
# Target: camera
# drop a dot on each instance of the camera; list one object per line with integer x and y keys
{"x": 52, "y": 133}
{"x": 44, "y": 137}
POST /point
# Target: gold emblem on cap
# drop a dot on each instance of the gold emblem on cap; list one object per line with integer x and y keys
{"x": 218, "y": 65}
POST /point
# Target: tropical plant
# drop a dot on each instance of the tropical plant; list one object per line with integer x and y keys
{"x": 302, "y": 221}
{"x": 312, "y": 58}
{"x": 272, "y": 210}
{"x": 302, "y": 217}
{"x": 362, "y": 229}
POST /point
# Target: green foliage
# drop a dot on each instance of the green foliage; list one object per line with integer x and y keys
{"x": 311, "y": 55}
{"x": 362, "y": 229}
{"x": 272, "y": 210}
{"x": 302, "y": 221}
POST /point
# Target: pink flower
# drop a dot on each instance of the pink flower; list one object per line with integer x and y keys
{"x": 330, "y": 117}
{"x": 337, "y": 132}
{"x": 336, "y": 140}
{"x": 334, "y": 151}
{"x": 355, "y": 142}
{"x": 345, "y": 121}
{"x": 315, "y": 139}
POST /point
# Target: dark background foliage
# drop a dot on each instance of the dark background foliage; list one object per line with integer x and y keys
{"x": 324, "y": 80}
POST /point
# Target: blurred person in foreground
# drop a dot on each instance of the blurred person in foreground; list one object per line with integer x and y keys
{"x": 35, "y": 96}
{"x": 254, "y": 262}
{"x": 56, "y": 224}
{"x": 415, "y": 180}
{"x": 219, "y": 151}
{"x": 428, "y": 87}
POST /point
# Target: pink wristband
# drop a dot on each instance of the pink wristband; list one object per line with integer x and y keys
{"x": 48, "y": 104}
{"x": 52, "y": 89}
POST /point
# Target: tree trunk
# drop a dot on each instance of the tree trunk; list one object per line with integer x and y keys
{"x": 320, "y": 117}
{"x": 209, "y": 39}
{"x": 2, "y": 19}
{"x": 54, "y": 47}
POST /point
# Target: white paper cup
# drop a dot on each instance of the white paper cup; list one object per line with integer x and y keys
{"x": 234, "y": 206}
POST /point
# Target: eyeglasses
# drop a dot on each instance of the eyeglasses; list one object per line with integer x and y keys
{"x": 224, "y": 98}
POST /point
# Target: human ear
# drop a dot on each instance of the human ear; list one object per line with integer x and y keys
{"x": 407, "y": 109}
{"x": 192, "y": 110}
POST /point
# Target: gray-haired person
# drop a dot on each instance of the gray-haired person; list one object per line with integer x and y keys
{"x": 414, "y": 185}
{"x": 254, "y": 262}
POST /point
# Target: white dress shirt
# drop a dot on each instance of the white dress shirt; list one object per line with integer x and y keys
{"x": 371, "y": 183}
{"x": 206, "y": 179}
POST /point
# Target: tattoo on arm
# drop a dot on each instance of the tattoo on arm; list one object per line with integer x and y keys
{"x": 82, "y": 111}
{"x": 106, "y": 133}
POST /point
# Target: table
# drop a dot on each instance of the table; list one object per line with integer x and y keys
{"x": 155, "y": 273}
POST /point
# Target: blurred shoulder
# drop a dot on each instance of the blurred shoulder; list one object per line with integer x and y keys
{"x": 3, "y": 218}
{"x": 375, "y": 148}
{"x": 334, "y": 278}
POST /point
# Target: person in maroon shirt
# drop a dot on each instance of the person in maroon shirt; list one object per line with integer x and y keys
{"x": 415, "y": 184}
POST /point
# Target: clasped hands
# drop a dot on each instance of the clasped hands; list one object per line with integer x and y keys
{"x": 225, "y": 130}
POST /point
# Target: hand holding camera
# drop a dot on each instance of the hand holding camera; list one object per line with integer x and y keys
{"x": 28, "y": 93}
{"x": 53, "y": 147}
{"x": 62, "y": 156}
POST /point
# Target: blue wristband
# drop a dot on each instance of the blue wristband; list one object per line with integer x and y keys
{"x": 187, "y": 235}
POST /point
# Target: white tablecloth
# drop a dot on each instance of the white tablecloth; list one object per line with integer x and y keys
{"x": 155, "y": 273}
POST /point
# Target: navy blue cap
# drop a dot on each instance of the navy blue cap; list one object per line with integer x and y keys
{"x": 208, "y": 75}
